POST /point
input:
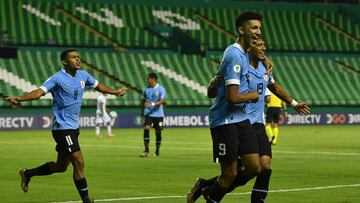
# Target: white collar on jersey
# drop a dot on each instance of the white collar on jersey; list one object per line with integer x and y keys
{"x": 157, "y": 84}
{"x": 239, "y": 47}
{"x": 63, "y": 70}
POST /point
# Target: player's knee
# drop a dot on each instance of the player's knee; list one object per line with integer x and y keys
{"x": 253, "y": 169}
{"x": 147, "y": 127}
{"x": 265, "y": 165}
{"x": 79, "y": 164}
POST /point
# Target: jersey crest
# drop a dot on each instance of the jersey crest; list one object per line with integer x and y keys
{"x": 266, "y": 77}
{"x": 82, "y": 84}
{"x": 237, "y": 68}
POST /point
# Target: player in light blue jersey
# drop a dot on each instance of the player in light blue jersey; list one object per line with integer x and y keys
{"x": 153, "y": 112}
{"x": 230, "y": 127}
{"x": 67, "y": 89}
{"x": 258, "y": 79}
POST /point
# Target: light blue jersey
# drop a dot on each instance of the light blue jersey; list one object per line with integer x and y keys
{"x": 154, "y": 95}
{"x": 258, "y": 81}
{"x": 67, "y": 92}
{"x": 234, "y": 69}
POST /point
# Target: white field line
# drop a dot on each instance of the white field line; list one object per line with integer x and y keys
{"x": 238, "y": 193}
{"x": 323, "y": 153}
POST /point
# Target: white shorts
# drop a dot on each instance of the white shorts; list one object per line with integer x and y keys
{"x": 102, "y": 118}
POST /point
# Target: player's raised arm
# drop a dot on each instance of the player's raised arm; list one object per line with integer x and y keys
{"x": 300, "y": 107}
{"x": 105, "y": 89}
{"x": 33, "y": 95}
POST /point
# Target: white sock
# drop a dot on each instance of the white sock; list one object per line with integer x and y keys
{"x": 109, "y": 129}
{"x": 97, "y": 130}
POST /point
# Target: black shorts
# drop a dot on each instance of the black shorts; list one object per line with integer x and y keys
{"x": 66, "y": 140}
{"x": 233, "y": 140}
{"x": 273, "y": 114}
{"x": 156, "y": 122}
{"x": 262, "y": 139}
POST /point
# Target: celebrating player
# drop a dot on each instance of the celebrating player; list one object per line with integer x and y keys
{"x": 67, "y": 88}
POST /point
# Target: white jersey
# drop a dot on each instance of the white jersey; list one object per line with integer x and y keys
{"x": 101, "y": 115}
{"x": 101, "y": 105}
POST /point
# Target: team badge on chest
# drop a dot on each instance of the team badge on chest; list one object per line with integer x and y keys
{"x": 266, "y": 77}
{"x": 82, "y": 84}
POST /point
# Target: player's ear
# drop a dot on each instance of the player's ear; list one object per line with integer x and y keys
{"x": 241, "y": 30}
{"x": 64, "y": 62}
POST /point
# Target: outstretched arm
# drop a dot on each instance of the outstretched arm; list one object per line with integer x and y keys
{"x": 33, "y": 95}
{"x": 300, "y": 107}
{"x": 105, "y": 89}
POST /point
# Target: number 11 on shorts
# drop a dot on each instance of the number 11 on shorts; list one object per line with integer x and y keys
{"x": 68, "y": 140}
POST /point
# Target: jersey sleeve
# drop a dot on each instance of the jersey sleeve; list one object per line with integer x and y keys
{"x": 271, "y": 80}
{"x": 267, "y": 92}
{"x": 233, "y": 67}
{"x": 49, "y": 84}
{"x": 91, "y": 82}
{"x": 162, "y": 93}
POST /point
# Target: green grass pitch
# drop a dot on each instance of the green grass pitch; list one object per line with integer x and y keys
{"x": 317, "y": 164}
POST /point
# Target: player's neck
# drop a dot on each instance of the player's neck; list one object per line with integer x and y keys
{"x": 241, "y": 42}
{"x": 153, "y": 85}
{"x": 254, "y": 62}
{"x": 70, "y": 71}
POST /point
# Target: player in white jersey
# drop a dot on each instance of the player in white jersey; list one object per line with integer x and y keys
{"x": 102, "y": 117}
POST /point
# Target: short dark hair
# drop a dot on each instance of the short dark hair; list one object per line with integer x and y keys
{"x": 245, "y": 16}
{"x": 63, "y": 54}
{"x": 153, "y": 75}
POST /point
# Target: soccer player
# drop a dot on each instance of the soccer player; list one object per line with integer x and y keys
{"x": 102, "y": 116}
{"x": 258, "y": 80}
{"x": 67, "y": 88}
{"x": 272, "y": 117}
{"x": 152, "y": 111}
{"x": 230, "y": 126}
